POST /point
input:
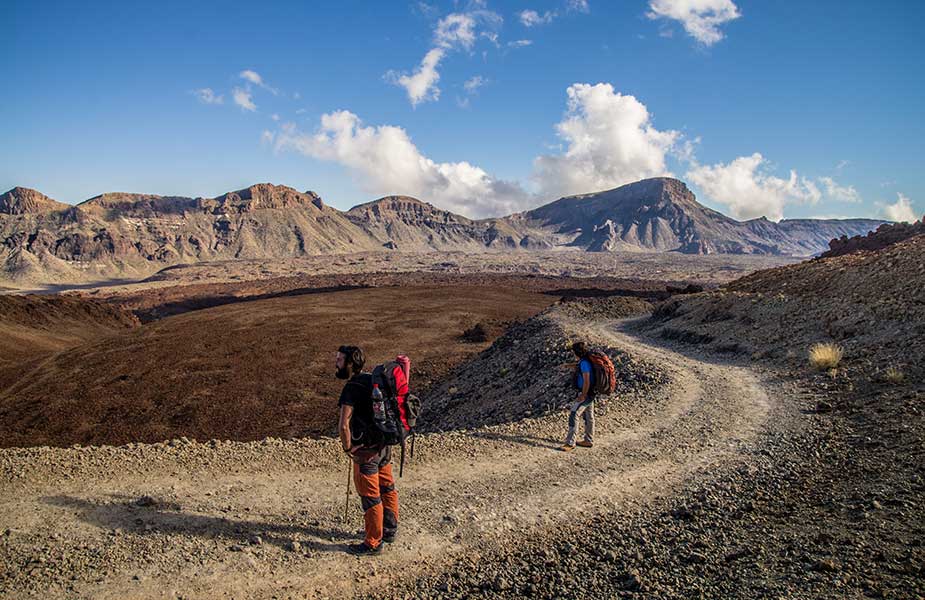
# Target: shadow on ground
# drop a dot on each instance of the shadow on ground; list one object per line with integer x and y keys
{"x": 150, "y": 516}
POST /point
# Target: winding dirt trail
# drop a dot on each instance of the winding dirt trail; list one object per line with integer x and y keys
{"x": 72, "y": 524}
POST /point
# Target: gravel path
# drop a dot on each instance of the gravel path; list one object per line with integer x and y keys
{"x": 263, "y": 519}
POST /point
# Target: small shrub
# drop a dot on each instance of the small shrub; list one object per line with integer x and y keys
{"x": 894, "y": 376}
{"x": 476, "y": 334}
{"x": 825, "y": 356}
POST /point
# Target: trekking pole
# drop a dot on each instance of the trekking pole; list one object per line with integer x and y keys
{"x": 347, "y": 501}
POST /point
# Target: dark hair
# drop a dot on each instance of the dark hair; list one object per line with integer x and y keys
{"x": 580, "y": 349}
{"x": 355, "y": 357}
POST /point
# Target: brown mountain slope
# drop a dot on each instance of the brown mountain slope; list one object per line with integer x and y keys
{"x": 405, "y": 223}
{"x": 132, "y": 235}
{"x": 21, "y": 201}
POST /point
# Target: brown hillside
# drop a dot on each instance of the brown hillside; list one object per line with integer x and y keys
{"x": 885, "y": 235}
{"x": 871, "y": 303}
{"x": 35, "y": 325}
{"x": 242, "y": 371}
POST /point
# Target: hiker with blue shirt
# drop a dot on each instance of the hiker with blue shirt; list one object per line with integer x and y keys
{"x": 584, "y": 403}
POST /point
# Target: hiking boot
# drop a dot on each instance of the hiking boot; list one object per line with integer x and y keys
{"x": 363, "y": 549}
{"x": 567, "y": 448}
{"x": 389, "y": 536}
{"x": 585, "y": 444}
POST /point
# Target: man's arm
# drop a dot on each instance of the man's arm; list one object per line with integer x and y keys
{"x": 585, "y": 386}
{"x": 343, "y": 427}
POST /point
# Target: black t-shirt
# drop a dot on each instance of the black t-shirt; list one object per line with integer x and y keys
{"x": 357, "y": 393}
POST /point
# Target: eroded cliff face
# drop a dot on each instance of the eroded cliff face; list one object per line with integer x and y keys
{"x": 131, "y": 235}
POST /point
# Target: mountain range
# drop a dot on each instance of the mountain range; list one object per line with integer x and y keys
{"x": 133, "y": 235}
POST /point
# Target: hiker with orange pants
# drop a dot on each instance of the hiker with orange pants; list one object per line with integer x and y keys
{"x": 372, "y": 459}
{"x": 584, "y": 403}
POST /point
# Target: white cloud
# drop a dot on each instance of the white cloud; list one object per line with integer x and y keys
{"x": 255, "y": 78}
{"x": 842, "y": 164}
{"x": 520, "y": 43}
{"x": 531, "y": 18}
{"x": 275, "y": 117}
{"x": 243, "y": 98}
{"x": 749, "y": 191}
{"x": 456, "y": 31}
{"x": 701, "y": 18}
{"x": 838, "y": 192}
{"x": 252, "y": 76}
{"x": 385, "y": 161}
{"x": 901, "y": 210}
{"x": 421, "y": 86}
{"x": 207, "y": 96}
{"x": 267, "y": 137}
{"x": 610, "y": 142}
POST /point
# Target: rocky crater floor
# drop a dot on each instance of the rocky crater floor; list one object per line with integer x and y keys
{"x": 718, "y": 471}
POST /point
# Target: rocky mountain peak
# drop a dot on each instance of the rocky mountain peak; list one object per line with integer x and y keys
{"x": 405, "y": 209}
{"x": 22, "y": 200}
{"x": 267, "y": 195}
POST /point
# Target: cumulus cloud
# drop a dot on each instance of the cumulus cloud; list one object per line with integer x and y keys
{"x": 266, "y": 138}
{"x": 531, "y": 18}
{"x": 384, "y": 161}
{"x": 901, "y": 210}
{"x": 207, "y": 96}
{"x": 456, "y": 31}
{"x": 749, "y": 191}
{"x": 243, "y": 98}
{"x": 610, "y": 141}
{"x": 842, "y": 193}
{"x": 701, "y": 19}
{"x": 421, "y": 85}
{"x": 520, "y": 43}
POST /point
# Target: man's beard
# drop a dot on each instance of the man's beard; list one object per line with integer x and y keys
{"x": 342, "y": 373}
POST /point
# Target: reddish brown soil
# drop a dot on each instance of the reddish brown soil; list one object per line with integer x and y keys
{"x": 35, "y": 325}
{"x": 155, "y": 303}
{"x": 245, "y": 370}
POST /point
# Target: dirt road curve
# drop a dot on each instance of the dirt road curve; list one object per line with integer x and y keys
{"x": 263, "y": 519}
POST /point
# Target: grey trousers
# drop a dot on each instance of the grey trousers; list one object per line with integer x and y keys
{"x": 585, "y": 409}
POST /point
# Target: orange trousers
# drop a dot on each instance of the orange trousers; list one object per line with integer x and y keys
{"x": 372, "y": 474}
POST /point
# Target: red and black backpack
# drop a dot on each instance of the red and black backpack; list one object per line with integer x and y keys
{"x": 401, "y": 408}
{"x": 605, "y": 377}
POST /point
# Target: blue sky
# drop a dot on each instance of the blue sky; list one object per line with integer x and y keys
{"x": 783, "y": 109}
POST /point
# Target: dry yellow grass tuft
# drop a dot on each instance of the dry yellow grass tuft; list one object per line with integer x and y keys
{"x": 894, "y": 376}
{"x": 825, "y": 356}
